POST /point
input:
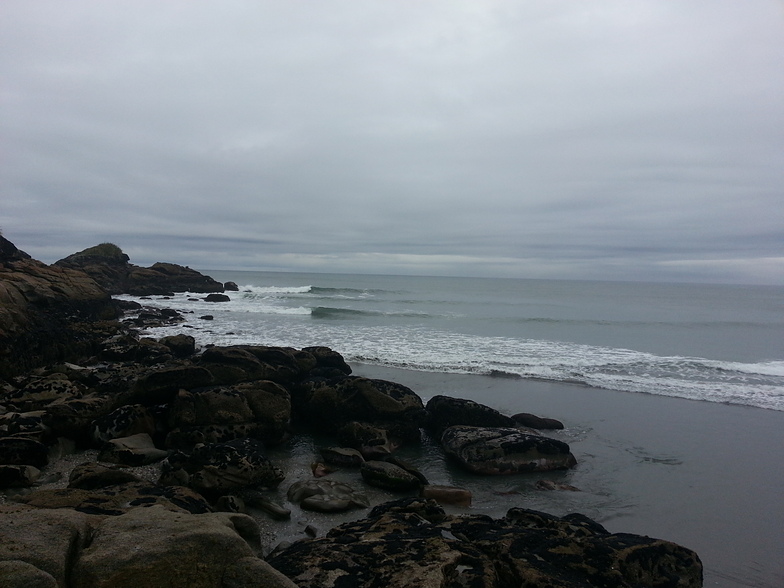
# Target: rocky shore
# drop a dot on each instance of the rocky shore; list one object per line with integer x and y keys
{"x": 173, "y": 454}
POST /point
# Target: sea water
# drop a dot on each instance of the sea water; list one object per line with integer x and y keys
{"x": 714, "y": 343}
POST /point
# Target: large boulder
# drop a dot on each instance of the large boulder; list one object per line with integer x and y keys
{"x": 215, "y": 469}
{"x": 413, "y": 542}
{"x": 159, "y": 385}
{"x": 73, "y": 418}
{"x": 497, "y": 451}
{"x": 242, "y": 363}
{"x": 155, "y": 547}
{"x": 37, "y": 543}
{"x": 329, "y": 363}
{"x": 18, "y": 476}
{"x": 526, "y": 419}
{"x": 445, "y": 411}
{"x": 331, "y": 404}
{"x": 540, "y": 549}
{"x": 259, "y": 409}
{"x": 22, "y": 451}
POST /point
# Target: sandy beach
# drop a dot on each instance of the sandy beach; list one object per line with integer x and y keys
{"x": 708, "y": 476}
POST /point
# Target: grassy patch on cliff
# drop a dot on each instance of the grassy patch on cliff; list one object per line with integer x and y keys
{"x": 107, "y": 251}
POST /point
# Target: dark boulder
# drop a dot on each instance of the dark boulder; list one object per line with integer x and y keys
{"x": 231, "y": 287}
{"x": 123, "y": 422}
{"x": 241, "y": 363}
{"x": 444, "y": 412}
{"x": 22, "y": 451}
{"x": 259, "y": 409}
{"x": 73, "y": 418}
{"x": 342, "y": 456}
{"x": 331, "y": 404}
{"x": 388, "y": 476}
{"x": 180, "y": 345}
{"x": 28, "y": 425}
{"x": 372, "y": 441}
{"x": 217, "y": 298}
{"x": 329, "y": 363}
{"x": 18, "y": 476}
{"x": 159, "y": 385}
{"x": 525, "y": 419}
{"x": 500, "y": 451}
{"x": 214, "y": 469}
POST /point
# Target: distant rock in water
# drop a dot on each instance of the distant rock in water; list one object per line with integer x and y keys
{"x": 110, "y": 267}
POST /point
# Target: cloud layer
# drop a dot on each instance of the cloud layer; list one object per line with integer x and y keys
{"x": 607, "y": 140}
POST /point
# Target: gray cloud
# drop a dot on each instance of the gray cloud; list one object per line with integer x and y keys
{"x": 608, "y": 140}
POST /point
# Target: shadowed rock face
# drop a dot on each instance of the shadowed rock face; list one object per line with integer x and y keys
{"x": 47, "y": 313}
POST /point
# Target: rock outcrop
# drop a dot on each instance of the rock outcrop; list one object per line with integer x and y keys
{"x": 110, "y": 267}
{"x": 47, "y": 313}
{"x": 147, "y": 546}
{"x": 413, "y": 542}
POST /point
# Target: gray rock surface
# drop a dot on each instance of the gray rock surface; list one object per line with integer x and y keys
{"x": 497, "y": 451}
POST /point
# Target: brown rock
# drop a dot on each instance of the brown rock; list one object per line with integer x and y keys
{"x": 447, "y": 495}
{"x": 156, "y": 547}
{"x": 43, "y": 539}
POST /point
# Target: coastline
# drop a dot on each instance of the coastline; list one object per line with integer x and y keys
{"x": 705, "y": 475}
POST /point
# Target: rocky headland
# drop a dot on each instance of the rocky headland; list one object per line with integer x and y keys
{"x": 170, "y": 446}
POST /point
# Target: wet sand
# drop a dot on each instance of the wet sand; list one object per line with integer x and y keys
{"x": 707, "y": 476}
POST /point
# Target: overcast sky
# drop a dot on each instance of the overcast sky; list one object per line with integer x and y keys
{"x": 637, "y": 140}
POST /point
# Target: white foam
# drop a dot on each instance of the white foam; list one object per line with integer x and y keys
{"x": 259, "y": 320}
{"x": 276, "y": 289}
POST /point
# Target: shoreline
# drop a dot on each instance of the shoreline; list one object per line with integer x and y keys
{"x": 697, "y": 473}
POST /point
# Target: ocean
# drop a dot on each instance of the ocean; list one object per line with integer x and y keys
{"x": 672, "y": 395}
{"x": 713, "y": 343}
